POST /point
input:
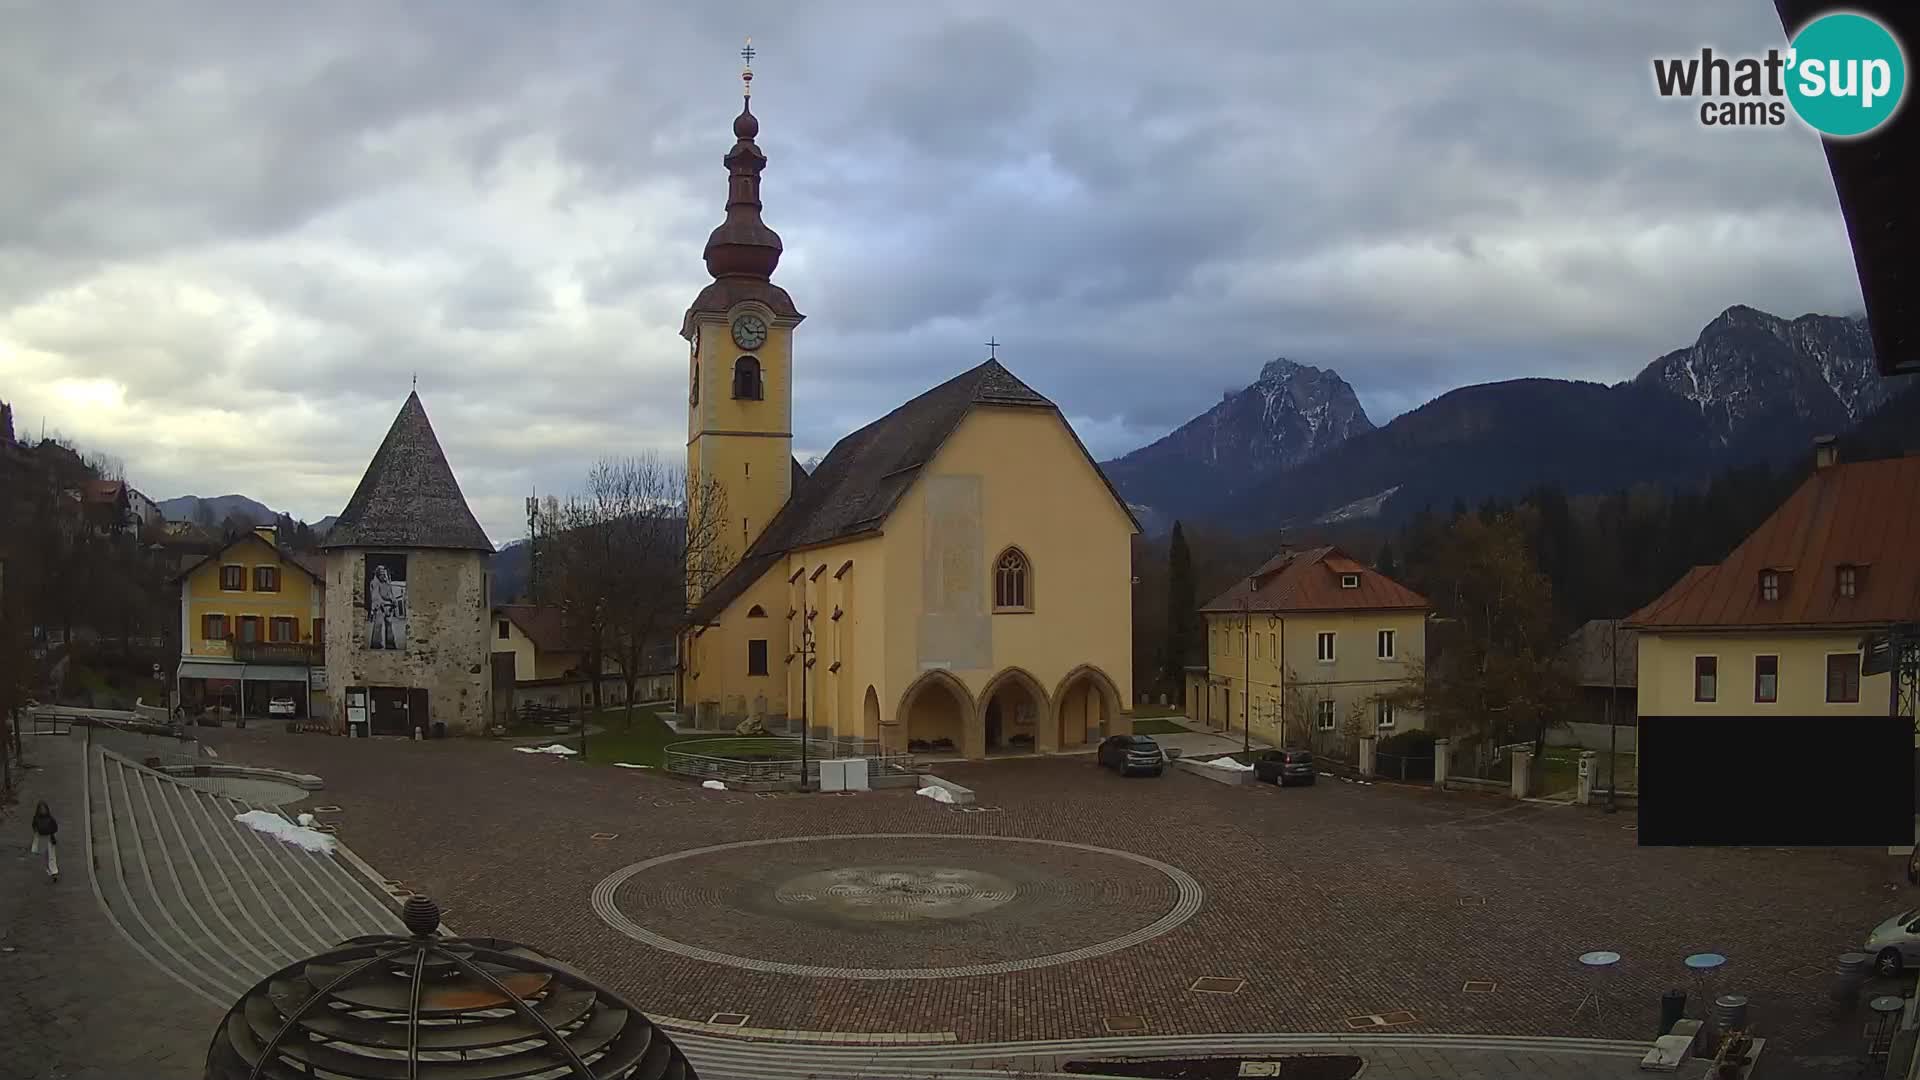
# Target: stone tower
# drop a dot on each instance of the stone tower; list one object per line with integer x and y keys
{"x": 740, "y": 358}
{"x": 407, "y": 604}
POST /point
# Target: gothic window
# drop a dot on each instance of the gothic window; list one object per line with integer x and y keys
{"x": 746, "y": 379}
{"x": 756, "y": 612}
{"x": 1012, "y": 582}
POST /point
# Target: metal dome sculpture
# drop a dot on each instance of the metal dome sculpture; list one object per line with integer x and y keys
{"x": 424, "y": 1007}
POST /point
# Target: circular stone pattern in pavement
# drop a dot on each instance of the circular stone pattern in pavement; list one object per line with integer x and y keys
{"x": 896, "y": 905}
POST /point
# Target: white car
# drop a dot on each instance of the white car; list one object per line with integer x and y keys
{"x": 280, "y": 706}
{"x": 1895, "y": 943}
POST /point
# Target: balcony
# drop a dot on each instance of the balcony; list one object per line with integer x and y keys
{"x": 280, "y": 652}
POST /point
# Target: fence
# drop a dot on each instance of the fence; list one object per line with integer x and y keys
{"x": 1403, "y": 767}
{"x": 774, "y": 760}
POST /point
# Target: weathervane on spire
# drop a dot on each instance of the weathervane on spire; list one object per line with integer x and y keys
{"x": 746, "y": 73}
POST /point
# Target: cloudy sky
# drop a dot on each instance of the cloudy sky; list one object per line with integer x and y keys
{"x": 231, "y": 234}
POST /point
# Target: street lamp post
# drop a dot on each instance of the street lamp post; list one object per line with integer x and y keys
{"x": 1613, "y": 733}
{"x": 1246, "y": 676}
{"x": 806, "y": 661}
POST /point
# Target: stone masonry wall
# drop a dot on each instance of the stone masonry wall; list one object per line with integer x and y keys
{"x": 447, "y": 646}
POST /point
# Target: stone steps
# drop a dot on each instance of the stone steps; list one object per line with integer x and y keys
{"x": 216, "y": 903}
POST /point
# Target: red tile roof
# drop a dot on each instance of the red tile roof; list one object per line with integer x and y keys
{"x": 1310, "y": 581}
{"x": 1865, "y": 514}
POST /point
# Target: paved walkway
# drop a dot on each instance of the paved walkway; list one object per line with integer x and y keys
{"x": 79, "y": 1003}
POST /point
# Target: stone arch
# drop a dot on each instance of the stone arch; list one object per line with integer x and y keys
{"x": 1014, "y": 714}
{"x": 935, "y": 708}
{"x": 1086, "y": 707}
{"x": 870, "y": 714}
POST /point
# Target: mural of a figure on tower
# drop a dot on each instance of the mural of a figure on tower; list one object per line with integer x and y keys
{"x": 387, "y": 602}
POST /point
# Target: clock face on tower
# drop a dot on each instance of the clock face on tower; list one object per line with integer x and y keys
{"x": 749, "y": 331}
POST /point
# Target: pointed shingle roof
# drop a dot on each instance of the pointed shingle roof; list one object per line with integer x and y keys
{"x": 863, "y": 477}
{"x": 408, "y": 497}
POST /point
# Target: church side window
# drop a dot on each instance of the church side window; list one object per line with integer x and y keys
{"x": 757, "y": 656}
{"x": 1012, "y": 582}
{"x": 746, "y": 379}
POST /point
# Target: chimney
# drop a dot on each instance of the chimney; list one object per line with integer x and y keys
{"x": 1826, "y": 452}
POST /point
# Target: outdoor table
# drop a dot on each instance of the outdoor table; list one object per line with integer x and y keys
{"x": 1597, "y": 963}
{"x": 1704, "y": 967}
{"x": 1882, "y": 1025}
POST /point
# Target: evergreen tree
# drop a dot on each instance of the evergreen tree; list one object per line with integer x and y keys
{"x": 1180, "y": 611}
{"x": 1385, "y": 563}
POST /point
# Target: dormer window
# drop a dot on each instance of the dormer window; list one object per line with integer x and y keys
{"x": 746, "y": 379}
{"x": 1349, "y": 581}
{"x": 1769, "y": 586}
{"x": 1846, "y": 581}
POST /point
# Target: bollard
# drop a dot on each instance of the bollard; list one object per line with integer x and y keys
{"x": 1673, "y": 1006}
{"x": 1850, "y": 976}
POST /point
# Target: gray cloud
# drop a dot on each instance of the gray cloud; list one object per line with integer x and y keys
{"x": 228, "y": 241}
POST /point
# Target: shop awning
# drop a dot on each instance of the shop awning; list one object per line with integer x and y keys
{"x": 202, "y": 669}
{"x": 274, "y": 673}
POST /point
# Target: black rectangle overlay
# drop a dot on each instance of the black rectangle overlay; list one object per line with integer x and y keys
{"x": 1776, "y": 781}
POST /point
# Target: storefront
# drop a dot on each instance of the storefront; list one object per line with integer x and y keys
{"x": 246, "y": 689}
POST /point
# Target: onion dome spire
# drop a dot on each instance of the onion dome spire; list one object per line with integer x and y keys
{"x": 743, "y": 246}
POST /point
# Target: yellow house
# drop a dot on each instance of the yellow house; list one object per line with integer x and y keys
{"x": 954, "y": 578}
{"x": 252, "y": 625}
{"x": 545, "y": 663}
{"x": 1776, "y": 628}
{"x": 1310, "y": 645}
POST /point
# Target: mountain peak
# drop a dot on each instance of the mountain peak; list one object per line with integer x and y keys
{"x": 1750, "y": 371}
{"x": 1282, "y": 369}
{"x": 1292, "y": 413}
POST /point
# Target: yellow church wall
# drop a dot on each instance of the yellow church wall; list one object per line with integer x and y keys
{"x": 1010, "y": 478}
{"x": 718, "y": 655}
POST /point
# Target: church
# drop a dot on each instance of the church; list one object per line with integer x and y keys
{"x": 953, "y": 579}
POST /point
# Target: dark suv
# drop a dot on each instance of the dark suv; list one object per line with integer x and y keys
{"x": 1133, "y": 754}
{"x": 1284, "y": 767}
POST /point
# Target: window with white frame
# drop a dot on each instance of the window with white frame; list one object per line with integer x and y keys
{"x": 1323, "y": 646}
{"x": 1323, "y": 714}
{"x": 1385, "y": 641}
{"x": 1383, "y": 714}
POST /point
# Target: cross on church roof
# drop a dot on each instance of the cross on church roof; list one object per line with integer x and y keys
{"x": 746, "y": 73}
{"x": 993, "y": 349}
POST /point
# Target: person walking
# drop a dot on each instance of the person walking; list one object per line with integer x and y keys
{"x": 45, "y": 832}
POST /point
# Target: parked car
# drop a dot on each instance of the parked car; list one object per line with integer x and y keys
{"x": 280, "y": 706}
{"x": 1285, "y": 767}
{"x": 1895, "y": 943}
{"x": 1129, "y": 754}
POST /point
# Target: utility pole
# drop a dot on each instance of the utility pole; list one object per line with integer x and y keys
{"x": 1613, "y": 732}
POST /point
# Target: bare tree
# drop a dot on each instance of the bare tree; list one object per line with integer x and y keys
{"x": 625, "y": 555}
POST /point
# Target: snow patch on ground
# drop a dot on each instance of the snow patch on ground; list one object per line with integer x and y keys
{"x": 550, "y": 748}
{"x": 1227, "y": 763}
{"x": 280, "y": 828}
{"x": 936, "y": 793}
{"x": 713, "y": 785}
{"x": 305, "y": 820}
{"x": 629, "y": 765}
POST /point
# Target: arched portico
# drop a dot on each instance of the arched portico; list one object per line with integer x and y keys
{"x": 933, "y": 714}
{"x": 1013, "y": 716}
{"x": 1086, "y": 708}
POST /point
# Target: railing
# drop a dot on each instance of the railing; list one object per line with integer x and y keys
{"x": 776, "y": 759}
{"x": 280, "y": 652}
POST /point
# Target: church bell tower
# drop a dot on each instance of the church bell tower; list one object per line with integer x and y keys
{"x": 739, "y": 332}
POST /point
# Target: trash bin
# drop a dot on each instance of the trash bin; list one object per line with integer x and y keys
{"x": 1673, "y": 1006}
{"x": 356, "y": 729}
{"x": 1730, "y": 1012}
{"x": 439, "y": 729}
{"x": 1850, "y": 976}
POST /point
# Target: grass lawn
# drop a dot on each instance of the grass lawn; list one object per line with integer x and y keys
{"x": 1155, "y": 726}
{"x": 645, "y": 743}
{"x": 1560, "y": 769}
{"x": 1144, "y": 711}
